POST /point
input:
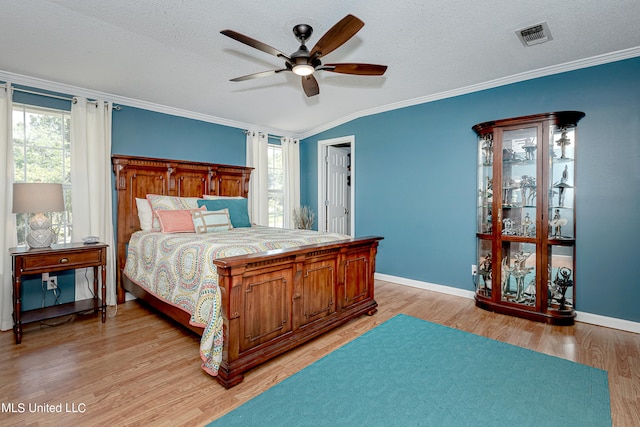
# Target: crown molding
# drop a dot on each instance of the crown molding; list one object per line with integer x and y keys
{"x": 70, "y": 90}
{"x": 529, "y": 75}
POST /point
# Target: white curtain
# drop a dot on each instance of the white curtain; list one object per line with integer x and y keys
{"x": 91, "y": 186}
{"x": 259, "y": 183}
{"x": 7, "y": 218}
{"x": 291, "y": 160}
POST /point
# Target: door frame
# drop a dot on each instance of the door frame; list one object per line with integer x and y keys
{"x": 349, "y": 140}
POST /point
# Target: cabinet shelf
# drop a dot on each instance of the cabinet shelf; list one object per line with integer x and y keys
{"x": 526, "y": 218}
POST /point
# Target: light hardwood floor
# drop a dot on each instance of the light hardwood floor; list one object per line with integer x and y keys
{"x": 140, "y": 369}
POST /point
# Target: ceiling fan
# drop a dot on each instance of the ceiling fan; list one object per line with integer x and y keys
{"x": 304, "y": 62}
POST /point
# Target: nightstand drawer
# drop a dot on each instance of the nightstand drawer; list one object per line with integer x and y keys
{"x": 64, "y": 260}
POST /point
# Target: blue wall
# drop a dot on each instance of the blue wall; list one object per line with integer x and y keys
{"x": 138, "y": 132}
{"x": 416, "y": 180}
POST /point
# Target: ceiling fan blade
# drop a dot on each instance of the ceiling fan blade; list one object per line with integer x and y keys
{"x": 310, "y": 85}
{"x": 258, "y": 75}
{"x": 254, "y": 43}
{"x": 337, "y": 35}
{"x": 359, "y": 69}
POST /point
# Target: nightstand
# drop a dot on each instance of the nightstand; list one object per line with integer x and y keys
{"x": 62, "y": 257}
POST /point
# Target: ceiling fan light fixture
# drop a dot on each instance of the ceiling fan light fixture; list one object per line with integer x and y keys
{"x": 303, "y": 69}
{"x": 305, "y": 63}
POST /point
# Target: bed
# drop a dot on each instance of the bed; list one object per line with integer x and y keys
{"x": 273, "y": 296}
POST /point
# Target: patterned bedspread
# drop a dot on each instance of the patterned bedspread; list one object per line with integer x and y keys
{"x": 178, "y": 268}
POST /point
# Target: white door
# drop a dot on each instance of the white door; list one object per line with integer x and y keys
{"x": 338, "y": 200}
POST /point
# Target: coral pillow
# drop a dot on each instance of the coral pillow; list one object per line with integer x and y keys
{"x": 177, "y": 220}
{"x": 160, "y": 202}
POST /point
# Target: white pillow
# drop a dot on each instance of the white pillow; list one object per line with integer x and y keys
{"x": 145, "y": 214}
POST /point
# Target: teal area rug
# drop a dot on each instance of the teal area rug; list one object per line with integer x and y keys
{"x": 410, "y": 372}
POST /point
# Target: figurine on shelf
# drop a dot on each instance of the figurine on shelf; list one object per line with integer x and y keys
{"x": 509, "y": 227}
{"x": 562, "y": 282}
{"x": 529, "y": 149}
{"x": 557, "y": 222}
{"x": 508, "y": 195}
{"x": 504, "y": 279}
{"x": 510, "y": 156}
{"x": 526, "y": 225}
{"x": 563, "y": 142}
{"x": 487, "y": 148}
{"x": 519, "y": 271}
{"x": 488, "y": 192}
{"x": 528, "y": 187}
{"x": 485, "y": 272}
{"x": 562, "y": 186}
{"x": 530, "y": 292}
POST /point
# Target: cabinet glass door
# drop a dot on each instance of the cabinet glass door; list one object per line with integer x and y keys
{"x": 518, "y": 204}
{"x": 561, "y": 176}
{"x": 519, "y": 150}
{"x": 485, "y": 184}
{"x": 562, "y": 148}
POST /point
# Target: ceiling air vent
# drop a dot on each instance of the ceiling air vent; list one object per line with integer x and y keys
{"x": 535, "y": 34}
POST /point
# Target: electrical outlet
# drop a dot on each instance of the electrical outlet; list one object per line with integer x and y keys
{"x": 474, "y": 270}
{"x": 52, "y": 283}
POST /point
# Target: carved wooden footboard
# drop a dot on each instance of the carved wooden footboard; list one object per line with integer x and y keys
{"x": 275, "y": 301}
{"x": 271, "y": 301}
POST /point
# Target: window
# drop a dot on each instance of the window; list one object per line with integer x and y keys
{"x": 42, "y": 153}
{"x": 275, "y": 190}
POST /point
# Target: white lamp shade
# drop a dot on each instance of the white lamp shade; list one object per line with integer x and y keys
{"x": 37, "y": 197}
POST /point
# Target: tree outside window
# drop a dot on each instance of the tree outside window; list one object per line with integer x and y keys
{"x": 42, "y": 153}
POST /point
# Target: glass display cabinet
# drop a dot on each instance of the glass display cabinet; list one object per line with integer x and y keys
{"x": 526, "y": 217}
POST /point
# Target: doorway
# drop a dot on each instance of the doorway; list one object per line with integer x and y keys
{"x": 336, "y": 185}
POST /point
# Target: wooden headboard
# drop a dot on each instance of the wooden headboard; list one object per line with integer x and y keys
{"x": 135, "y": 177}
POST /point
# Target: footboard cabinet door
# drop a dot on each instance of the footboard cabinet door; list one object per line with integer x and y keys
{"x": 265, "y": 306}
{"x": 357, "y": 279}
{"x": 314, "y": 299}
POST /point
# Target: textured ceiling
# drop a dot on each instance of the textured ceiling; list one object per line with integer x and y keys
{"x": 171, "y": 53}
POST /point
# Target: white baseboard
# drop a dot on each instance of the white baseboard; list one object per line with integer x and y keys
{"x": 426, "y": 285}
{"x": 609, "y": 322}
{"x": 594, "y": 319}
